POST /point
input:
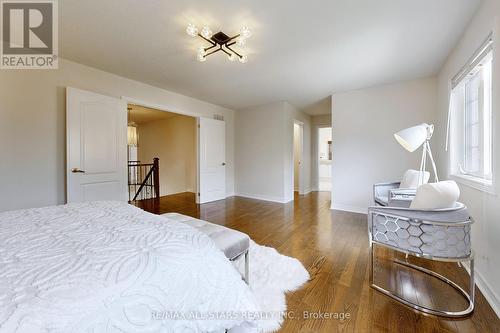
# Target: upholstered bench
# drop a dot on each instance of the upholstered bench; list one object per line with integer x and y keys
{"x": 233, "y": 243}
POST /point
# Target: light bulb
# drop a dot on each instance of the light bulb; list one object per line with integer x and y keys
{"x": 241, "y": 41}
{"x": 206, "y": 32}
{"x": 243, "y": 59}
{"x": 192, "y": 30}
{"x": 245, "y": 32}
{"x": 201, "y": 51}
{"x": 201, "y": 57}
{"x": 232, "y": 57}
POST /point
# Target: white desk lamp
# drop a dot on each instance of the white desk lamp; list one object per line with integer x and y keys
{"x": 412, "y": 138}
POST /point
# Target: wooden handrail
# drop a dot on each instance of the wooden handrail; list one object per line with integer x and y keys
{"x": 156, "y": 176}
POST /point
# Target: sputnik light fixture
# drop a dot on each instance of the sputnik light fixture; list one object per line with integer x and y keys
{"x": 220, "y": 42}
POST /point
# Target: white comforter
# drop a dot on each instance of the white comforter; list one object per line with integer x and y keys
{"x": 110, "y": 267}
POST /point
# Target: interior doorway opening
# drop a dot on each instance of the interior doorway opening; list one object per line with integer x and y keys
{"x": 162, "y": 155}
{"x": 325, "y": 156}
{"x": 298, "y": 141}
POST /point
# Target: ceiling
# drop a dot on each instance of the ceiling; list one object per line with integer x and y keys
{"x": 300, "y": 51}
{"x": 141, "y": 115}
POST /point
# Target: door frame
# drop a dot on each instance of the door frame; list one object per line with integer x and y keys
{"x": 316, "y": 145}
{"x": 301, "y": 188}
{"x": 165, "y": 108}
{"x": 160, "y": 107}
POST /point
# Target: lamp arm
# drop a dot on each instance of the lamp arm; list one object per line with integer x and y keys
{"x": 422, "y": 166}
{"x": 428, "y": 147}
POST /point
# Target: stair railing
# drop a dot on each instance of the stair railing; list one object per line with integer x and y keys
{"x": 144, "y": 180}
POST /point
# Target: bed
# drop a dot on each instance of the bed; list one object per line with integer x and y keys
{"x": 111, "y": 267}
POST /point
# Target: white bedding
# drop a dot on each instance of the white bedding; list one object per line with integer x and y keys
{"x": 107, "y": 266}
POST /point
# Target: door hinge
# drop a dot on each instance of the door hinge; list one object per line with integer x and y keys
{"x": 198, "y": 125}
{"x": 198, "y": 193}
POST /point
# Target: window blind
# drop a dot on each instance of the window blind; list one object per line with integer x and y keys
{"x": 477, "y": 57}
{"x": 485, "y": 47}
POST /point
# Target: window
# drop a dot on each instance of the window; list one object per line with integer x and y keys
{"x": 471, "y": 119}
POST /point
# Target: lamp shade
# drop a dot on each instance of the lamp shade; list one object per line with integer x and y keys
{"x": 413, "y": 137}
{"x": 132, "y": 136}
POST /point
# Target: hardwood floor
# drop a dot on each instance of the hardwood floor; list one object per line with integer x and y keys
{"x": 333, "y": 246}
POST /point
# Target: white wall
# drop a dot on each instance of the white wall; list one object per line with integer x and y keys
{"x": 259, "y": 152}
{"x": 364, "y": 149}
{"x": 33, "y": 122}
{"x": 322, "y": 120}
{"x": 483, "y": 206}
{"x": 173, "y": 141}
{"x": 320, "y": 108}
{"x": 264, "y": 151}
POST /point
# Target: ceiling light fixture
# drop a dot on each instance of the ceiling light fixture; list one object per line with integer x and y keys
{"x": 191, "y": 30}
{"x": 241, "y": 42}
{"x": 220, "y": 42}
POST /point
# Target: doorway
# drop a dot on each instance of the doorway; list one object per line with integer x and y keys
{"x": 325, "y": 156}
{"x": 298, "y": 142}
{"x": 198, "y": 152}
{"x": 162, "y": 155}
{"x": 98, "y": 126}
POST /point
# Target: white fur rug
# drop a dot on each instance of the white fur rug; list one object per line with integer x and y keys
{"x": 271, "y": 276}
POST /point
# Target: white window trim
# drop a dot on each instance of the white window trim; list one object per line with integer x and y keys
{"x": 478, "y": 183}
{"x": 475, "y": 183}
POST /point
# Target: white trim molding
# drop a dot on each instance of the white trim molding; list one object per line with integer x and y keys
{"x": 261, "y": 197}
{"x": 306, "y": 191}
{"x": 348, "y": 208}
{"x": 475, "y": 183}
{"x": 488, "y": 293}
{"x": 267, "y": 197}
{"x": 486, "y": 290}
{"x": 161, "y": 107}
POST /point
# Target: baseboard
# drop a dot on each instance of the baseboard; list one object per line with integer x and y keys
{"x": 486, "y": 290}
{"x": 186, "y": 191}
{"x": 261, "y": 197}
{"x": 307, "y": 191}
{"x": 348, "y": 208}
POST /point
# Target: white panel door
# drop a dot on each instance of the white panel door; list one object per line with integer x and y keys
{"x": 211, "y": 160}
{"x": 96, "y": 147}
